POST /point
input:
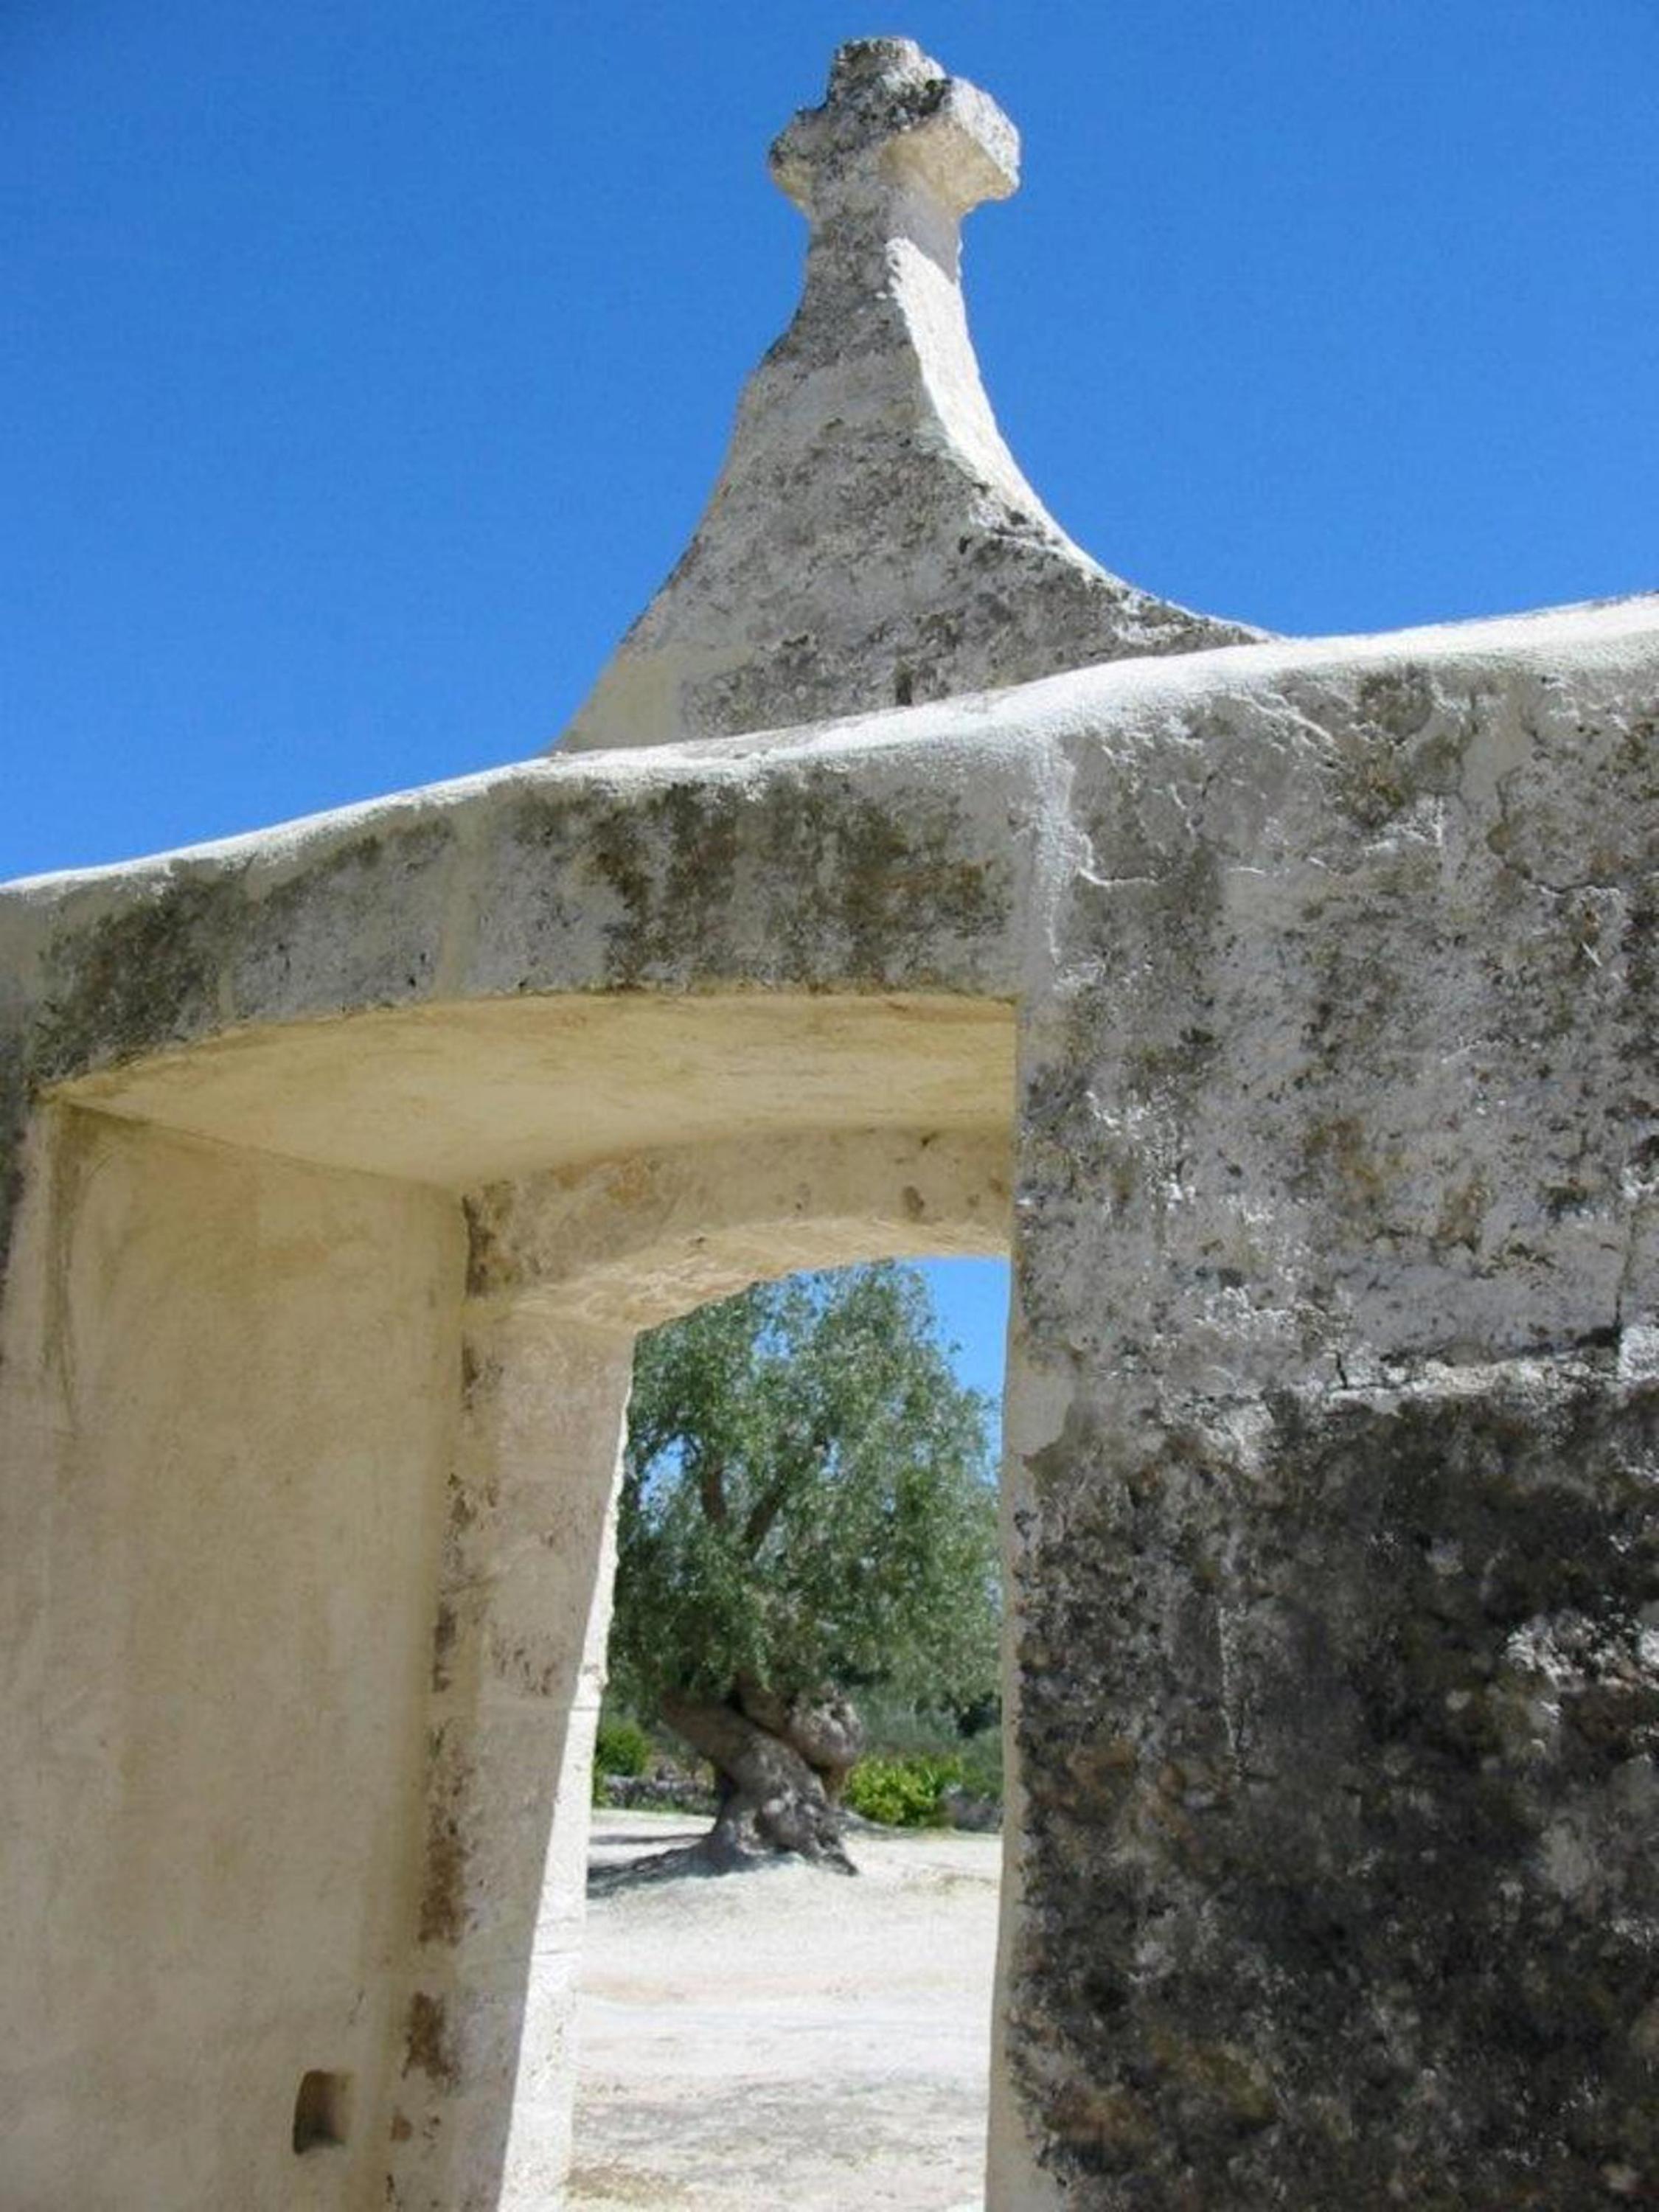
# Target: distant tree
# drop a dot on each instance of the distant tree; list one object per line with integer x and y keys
{"x": 807, "y": 1508}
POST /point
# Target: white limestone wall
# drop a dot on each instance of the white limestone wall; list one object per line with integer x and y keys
{"x": 482, "y": 2114}
{"x": 562, "y": 1267}
{"x": 227, "y": 1390}
{"x": 363, "y": 1348}
{"x": 630, "y": 1242}
{"x": 1335, "y": 976}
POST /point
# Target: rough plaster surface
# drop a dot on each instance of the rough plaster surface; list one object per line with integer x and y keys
{"x": 562, "y": 1268}
{"x": 1335, "y": 1224}
{"x": 337, "y": 1164}
{"x": 226, "y": 1394}
{"x": 481, "y": 2105}
{"x": 634, "y": 1242}
{"x": 1330, "y": 1416}
{"x": 872, "y": 541}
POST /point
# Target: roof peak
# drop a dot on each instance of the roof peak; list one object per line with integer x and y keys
{"x": 894, "y": 127}
{"x": 870, "y": 540}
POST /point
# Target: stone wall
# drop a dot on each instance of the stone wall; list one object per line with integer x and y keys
{"x": 227, "y": 1398}
{"x": 1339, "y": 1566}
{"x": 349, "y": 1156}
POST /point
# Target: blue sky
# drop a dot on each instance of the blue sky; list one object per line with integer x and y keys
{"x": 366, "y": 361}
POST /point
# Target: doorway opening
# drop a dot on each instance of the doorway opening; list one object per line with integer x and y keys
{"x": 838, "y": 1432}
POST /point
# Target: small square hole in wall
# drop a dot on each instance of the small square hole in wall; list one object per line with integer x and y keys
{"x": 322, "y": 2111}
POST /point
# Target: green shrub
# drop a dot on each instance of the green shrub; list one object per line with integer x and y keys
{"x": 620, "y": 1748}
{"x": 899, "y": 1732}
{"x": 903, "y": 1793}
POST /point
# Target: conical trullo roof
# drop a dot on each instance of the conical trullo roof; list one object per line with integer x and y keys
{"x": 870, "y": 541}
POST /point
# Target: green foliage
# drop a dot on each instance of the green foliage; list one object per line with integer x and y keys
{"x": 896, "y": 1725}
{"x": 621, "y": 1747}
{"x": 807, "y": 1500}
{"x": 917, "y": 1751}
{"x": 981, "y": 1765}
{"x": 903, "y": 1793}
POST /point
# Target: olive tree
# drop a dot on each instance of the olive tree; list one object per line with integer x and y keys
{"x": 807, "y": 1510}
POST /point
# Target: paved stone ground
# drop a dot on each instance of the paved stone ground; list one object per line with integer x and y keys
{"x": 788, "y": 2036}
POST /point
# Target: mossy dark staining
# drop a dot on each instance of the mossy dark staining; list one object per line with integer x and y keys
{"x": 1343, "y": 1169}
{"x": 800, "y": 880}
{"x": 187, "y": 953}
{"x": 1400, "y": 701}
{"x": 428, "y": 2047}
{"x": 142, "y": 977}
{"x": 806, "y": 882}
{"x": 705, "y": 850}
{"x": 485, "y": 1266}
{"x": 531, "y": 1666}
{"x": 1397, "y": 744}
{"x": 13, "y": 1122}
{"x": 1340, "y": 1766}
{"x": 443, "y": 1644}
{"x": 133, "y": 981}
{"x": 1155, "y": 947}
{"x": 450, "y": 1804}
{"x": 325, "y": 929}
{"x": 480, "y": 1372}
{"x": 1462, "y": 1214}
{"x": 618, "y": 855}
{"x": 1170, "y": 1070}
{"x": 902, "y": 886}
{"x": 443, "y": 1891}
{"x": 1371, "y": 949}
{"x": 1639, "y": 953}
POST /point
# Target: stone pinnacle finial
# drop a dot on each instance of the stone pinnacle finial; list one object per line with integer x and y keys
{"x": 891, "y": 127}
{"x": 870, "y": 540}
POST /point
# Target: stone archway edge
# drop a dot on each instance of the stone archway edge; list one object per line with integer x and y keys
{"x": 1322, "y": 981}
{"x": 633, "y": 1243}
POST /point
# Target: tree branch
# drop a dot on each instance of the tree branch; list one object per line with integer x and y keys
{"x": 773, "y": 1499}
{"x": 711, "y": 1489}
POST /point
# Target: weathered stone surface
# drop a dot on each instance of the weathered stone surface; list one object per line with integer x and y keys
{"x": 892, "y": 860}
{"x": 1340, "y": 1839}
{"x": 1329, "y": 1418}
{"x": 1337, "y": 1452}
{"x": 502, "y": 930}
{"x": 345, "y": 1157}
{"x": 870, "y": 541}
{"x": 1346, "y": 1050}
{"x": 636, "y": 1242}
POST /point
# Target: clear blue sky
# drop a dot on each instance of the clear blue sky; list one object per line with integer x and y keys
{"x": 366, "y": 361}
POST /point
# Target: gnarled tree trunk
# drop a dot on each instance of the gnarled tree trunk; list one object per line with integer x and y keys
{"x": 781, "y": 1764}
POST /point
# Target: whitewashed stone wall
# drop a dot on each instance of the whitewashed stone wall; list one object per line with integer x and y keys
{"x": 1305, "y": 997}
{"x": 1338, "y": 1438}
{"x": 1330, "y": 1454}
